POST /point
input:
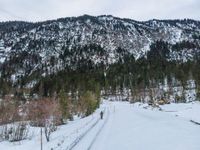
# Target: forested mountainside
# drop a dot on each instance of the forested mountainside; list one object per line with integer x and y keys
{"x": 98, "y": 54}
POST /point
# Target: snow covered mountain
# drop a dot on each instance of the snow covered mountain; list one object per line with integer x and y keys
{"x": 71, "y": 42}
{"x": 109, "y": 32}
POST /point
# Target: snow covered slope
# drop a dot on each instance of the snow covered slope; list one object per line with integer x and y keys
{"x": 63, "y": 36}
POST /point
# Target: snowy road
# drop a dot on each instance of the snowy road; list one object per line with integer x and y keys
{"x": 129, "y": 127}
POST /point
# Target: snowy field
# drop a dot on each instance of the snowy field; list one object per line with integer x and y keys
{"x": 124, "y": 127}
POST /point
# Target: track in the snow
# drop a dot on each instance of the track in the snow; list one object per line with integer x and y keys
{"x": 79, "y": 139}
{"x": 99, "y": 131}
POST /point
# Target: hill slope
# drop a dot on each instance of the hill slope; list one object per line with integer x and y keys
{"x": 29, "y": 51}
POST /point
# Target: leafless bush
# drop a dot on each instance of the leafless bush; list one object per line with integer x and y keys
{"x": 14, "y": 132}
{"x": 48, "y": 129}
{"x": 9, "y": 112}
{"x": 45, "y": 113}
{"x": 42, "y": 110}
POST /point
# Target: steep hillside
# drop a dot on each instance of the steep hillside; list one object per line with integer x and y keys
{"x": 31, "y": 51}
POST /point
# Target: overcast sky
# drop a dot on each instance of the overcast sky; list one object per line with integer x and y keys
{"x": 40, "y": 10}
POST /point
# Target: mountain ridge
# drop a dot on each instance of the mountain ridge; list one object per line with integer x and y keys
{"x": 108, "y": 15}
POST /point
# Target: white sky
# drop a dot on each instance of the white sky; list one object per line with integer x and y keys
{"x": 40, "y": 10}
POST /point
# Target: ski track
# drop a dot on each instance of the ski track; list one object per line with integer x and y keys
{"x": 90, "y": 138}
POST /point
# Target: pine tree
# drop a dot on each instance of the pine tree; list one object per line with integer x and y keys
{"x": 88, "y": 102}
{"x": 64, "y": 105}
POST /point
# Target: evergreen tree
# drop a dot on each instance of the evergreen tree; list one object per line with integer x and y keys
{"x": 64, "y": 105}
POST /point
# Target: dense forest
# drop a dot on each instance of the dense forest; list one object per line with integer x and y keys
{"x": 127, "y": 73}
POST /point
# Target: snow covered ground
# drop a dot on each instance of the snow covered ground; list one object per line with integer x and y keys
{"x": 125, "y": 127}
{"x": 187, "y": 111}
{"x": 132, "y": 127}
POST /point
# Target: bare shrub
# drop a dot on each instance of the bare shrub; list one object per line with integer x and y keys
{"x": 48, "y": 129}
{"x": 44, "y": 109}
{"x": 11, "y": 127}
{"x": 14, "y": 132}
{"x": 45, "y": 113}
{"x": 9, "y": 112}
